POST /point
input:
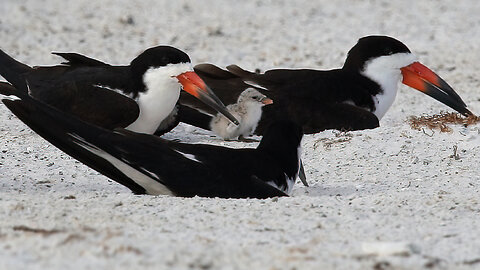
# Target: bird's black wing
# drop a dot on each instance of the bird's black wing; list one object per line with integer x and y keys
{"x": 274, "y": 83}
{"x": 81, "y": 86}
{"x": 48, "y": 78}
{"x": 323, "y": 86}
{"x": 317, "y": 100}
{"x": 315, "y": 118}
{"x": 112, "y": 109}
{"x": 84, "y": 90}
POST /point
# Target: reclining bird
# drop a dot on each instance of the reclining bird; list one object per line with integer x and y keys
{"x": 139, "y": 96}
{"x": 353, "y": 97}
{"x": 147, "y": 164}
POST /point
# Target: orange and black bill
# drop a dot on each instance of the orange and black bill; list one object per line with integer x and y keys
{"x": 196, "y": 87}
{"x": 423, "y": 79}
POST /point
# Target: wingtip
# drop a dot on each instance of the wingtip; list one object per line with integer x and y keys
{"x": 18, "y": 107}
{"x": 7, "y": 102}
{"x": 7, "y": 89}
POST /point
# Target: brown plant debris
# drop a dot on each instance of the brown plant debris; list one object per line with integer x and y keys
{"x": 441, "y": 121}
{"x": 340, "y": 137}
{"x": 36, "y": 230}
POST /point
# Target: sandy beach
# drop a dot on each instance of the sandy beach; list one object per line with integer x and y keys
{"x": 388, "y": 198}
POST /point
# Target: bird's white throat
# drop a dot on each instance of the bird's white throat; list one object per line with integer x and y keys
{"x": 385, "y": 70}
{"x": 159, "y": 99}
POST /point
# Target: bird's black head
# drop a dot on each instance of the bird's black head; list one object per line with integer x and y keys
{"x": 160, "y": 56}
{"x": 370, "y": 47}
{"x": 154, "y": 57}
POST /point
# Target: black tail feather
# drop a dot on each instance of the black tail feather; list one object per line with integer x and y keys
{"x": 13, "y": 71}
{"x": 74, "y": 59}
{"x": 7, "y": 89}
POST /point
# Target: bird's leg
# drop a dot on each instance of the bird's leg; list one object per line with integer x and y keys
{"x": 302, "y": 175}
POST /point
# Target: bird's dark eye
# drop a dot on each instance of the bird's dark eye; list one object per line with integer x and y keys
{"x": 387, "y": 51}
{"x": 256, "y": 97}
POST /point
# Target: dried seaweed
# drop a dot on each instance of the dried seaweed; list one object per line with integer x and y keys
{"x": 340, "y": 137}
{"x": 441, "y": 121}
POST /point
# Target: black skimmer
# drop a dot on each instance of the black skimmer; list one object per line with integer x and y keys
{"x": 247, "y": 111}
{"x": 138, "y": 96}
{"x": 147, "y": 164}
{"x": 354, "y": 97}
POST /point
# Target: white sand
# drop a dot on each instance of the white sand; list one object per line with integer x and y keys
{"x": 389, "y": 198}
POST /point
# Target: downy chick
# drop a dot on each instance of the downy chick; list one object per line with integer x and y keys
{"x": 247, "y": 111}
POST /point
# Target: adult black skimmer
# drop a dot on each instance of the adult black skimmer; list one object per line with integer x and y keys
{"x": 147, "y": 164}
{"x": 138, "y": 96}
{"x": 247, "y": 111}
{"x": 354, "y": 97}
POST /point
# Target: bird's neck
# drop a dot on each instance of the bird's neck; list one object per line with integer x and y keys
{"x": 157, "y": 102}
{"x": 387, "y": 79}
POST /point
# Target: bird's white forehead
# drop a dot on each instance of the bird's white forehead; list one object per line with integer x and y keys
{"x": 394, "y": 61}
